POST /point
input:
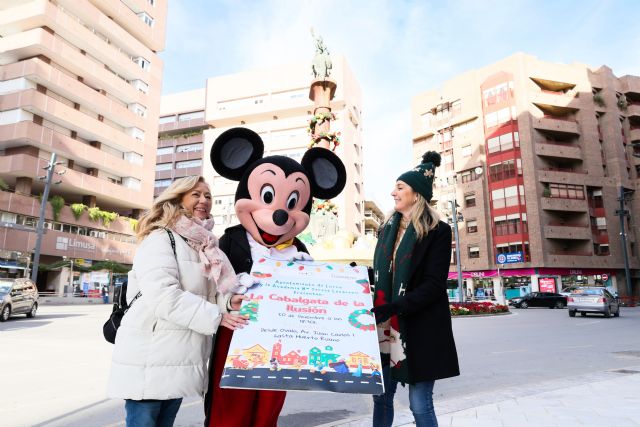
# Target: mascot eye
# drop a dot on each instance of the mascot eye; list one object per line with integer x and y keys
{"x": 267, "y": 194}
{"x": 292, "y": 200}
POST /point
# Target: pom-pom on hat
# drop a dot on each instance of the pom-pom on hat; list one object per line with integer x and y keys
{"x": 421, "y": 177}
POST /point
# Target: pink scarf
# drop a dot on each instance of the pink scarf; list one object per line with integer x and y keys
{"x": 214, "y": 262}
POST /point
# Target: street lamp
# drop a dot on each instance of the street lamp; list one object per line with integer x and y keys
{"x": 625, "y": 196}
{"x": 457, "y": 217}
{"x": 50, "y": 168}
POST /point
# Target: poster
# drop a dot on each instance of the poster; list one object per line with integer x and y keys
{"x": 310, "y": 328}
{"x": 547, "y": 284}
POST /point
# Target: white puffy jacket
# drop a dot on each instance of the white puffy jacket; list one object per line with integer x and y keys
{"x": 164, "y": 341}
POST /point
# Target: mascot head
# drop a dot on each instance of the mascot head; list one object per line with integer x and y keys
{"x": 275, "y": 193}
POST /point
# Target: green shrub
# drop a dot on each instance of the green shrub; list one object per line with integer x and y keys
{"x": 77, "y": 209}
{"x": 57, "y": 203}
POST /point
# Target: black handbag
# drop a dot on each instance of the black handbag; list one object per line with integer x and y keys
{"x": 120, "y": 308}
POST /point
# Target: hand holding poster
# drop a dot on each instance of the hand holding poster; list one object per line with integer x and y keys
{"x": 310, "y": 328}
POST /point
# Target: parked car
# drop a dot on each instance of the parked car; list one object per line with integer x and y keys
{"x": 570, "y": 289}
{"x": 539, "y": 299}
{"x": 593, "y": 300}
{"x": 17, "y": 296}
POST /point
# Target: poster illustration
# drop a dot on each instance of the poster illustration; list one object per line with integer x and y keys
{"x": 310, "y": 328}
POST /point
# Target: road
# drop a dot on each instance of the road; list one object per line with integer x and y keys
{"x": 55, "y": 367}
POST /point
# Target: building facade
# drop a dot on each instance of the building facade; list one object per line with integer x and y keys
{"x": 275, "y": 103}
{"x": 180, "y": 137}
{"x": 81, "y": 79}
{"x": 536, "y": 155}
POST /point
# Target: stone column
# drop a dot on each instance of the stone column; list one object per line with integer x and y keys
{"x": 321, "y": 93}
{"x": 535, "y": 287}
{"x": 23, "y": 185}
{"x": 89, "y": 200}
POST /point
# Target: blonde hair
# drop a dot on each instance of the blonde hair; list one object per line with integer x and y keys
{"x": 423, "y": 217}
{"x": 166, "y": 207}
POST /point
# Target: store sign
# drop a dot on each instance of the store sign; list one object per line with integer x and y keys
{"x": 64, "y": 243}
{"x": 547, "y": 284}
{"x": 509, "y": 257}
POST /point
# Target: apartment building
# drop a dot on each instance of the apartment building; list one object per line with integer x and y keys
{"x": 275, "y": 103}
{"x": 373, "y": 218}
{"x": 180, "y": 137}
{"x": 81, "y": 79}
{"x": 536, "y": 155}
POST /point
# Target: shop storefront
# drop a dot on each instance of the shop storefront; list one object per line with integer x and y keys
{"x": 569, "y": 277}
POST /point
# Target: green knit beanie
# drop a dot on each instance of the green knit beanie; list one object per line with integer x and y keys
{"x": 421, "y": 177}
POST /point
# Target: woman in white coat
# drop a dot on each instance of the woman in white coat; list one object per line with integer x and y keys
{"x": 164, "y": 341}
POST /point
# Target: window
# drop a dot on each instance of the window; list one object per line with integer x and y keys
{"x": 164, "y": 150}
{"x": 164, "y": 167}
{"x": 503, "y": 142}
{"x": 468, "y": 175}
{"x": 469, "y": 200}
{"x": 510, "y": 224}
{"x": 188, "y": 148}
{"x": 167, "y": 119}
{"x": 466, "y": 151}
{"x": 496, "y": 94}
{"x": 138, "y": 109}
{"x": 191, "y": 116}
{"x": 160, "y": 183}
{"x": 474, "y": 251}
{"x": 566, "y": 191}
{"x": 472, "y": 226}
{"x": 141, "y": 86}
{"x": 146, "y": 19}
{"x": 142, "y": 63}
{"x": 502, "y": 171}
{"x": 189, "y": 164}
{"x": 499, "y": 117}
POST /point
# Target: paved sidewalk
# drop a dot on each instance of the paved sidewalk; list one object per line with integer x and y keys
{"x": 603, "y": 399}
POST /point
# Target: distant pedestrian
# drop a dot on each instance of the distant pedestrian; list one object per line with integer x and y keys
{"x": 411, "y": 305}
{"x": 105, "y": 294}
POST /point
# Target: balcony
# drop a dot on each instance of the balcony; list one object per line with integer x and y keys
{"x": 562, "y": 175}
{"x": 556, "y": 99}
{"x": 556, "y": 124}
{"x": 175, "y": 127}
{"x": 88, "y": 128}
{"x": 633, "y": 109}
{"x": 36, "y": 42}
{"x": 563, "y": 205}
{"x": 78, "y": 183}
{"x": 38, "y": 71}
{"x": 567, "y": 231}
{"x": 85, "y": 155}
{"x": 553, "y": 149}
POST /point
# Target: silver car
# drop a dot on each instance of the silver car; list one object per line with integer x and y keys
{"x": 593, "y": 300}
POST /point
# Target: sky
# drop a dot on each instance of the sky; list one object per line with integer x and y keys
{"x": 396, "y": 49}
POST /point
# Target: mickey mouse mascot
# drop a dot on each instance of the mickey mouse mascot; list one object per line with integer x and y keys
{"x": 273, "y": 204}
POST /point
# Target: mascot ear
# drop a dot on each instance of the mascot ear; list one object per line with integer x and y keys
{"x": 326, "y": 172}
{"x": 234, "y": 150}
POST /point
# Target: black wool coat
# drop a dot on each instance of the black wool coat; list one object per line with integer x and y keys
{"x": 430, "y": 347}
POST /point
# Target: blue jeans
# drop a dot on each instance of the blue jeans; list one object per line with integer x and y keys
{"x": 151, "y": 413}
{"x": 420, "y": 402}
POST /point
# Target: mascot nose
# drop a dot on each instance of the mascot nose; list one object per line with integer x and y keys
{"x": 280, "y": 217}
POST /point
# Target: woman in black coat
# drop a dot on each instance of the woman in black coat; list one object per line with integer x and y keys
{"x": 410, "y": 269}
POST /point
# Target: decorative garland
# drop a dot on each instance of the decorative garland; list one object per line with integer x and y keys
{"x": 353, "y": 320}
{"x": 332, "y": 137}
{"x": 324, "y": 206}
{"x": 318, "y": 119}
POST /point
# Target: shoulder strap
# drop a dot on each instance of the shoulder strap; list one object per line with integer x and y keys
{"x": 173, "y": 246}
{"x": 173, "y": 241}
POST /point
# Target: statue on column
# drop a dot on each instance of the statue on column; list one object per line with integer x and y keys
{"x": 321, "y": 65}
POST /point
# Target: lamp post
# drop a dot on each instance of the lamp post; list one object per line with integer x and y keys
{"x": 50, "y": 168}
{"x": 455, "y": 218}
{"x": 622, "y": 212}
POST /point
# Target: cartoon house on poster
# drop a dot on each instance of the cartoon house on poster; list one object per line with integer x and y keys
{"x": 256, "y": 355}
{"x": 317, "y": 357}
{"x": 359, "y": 359}
{"x": 293, "y": 358}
